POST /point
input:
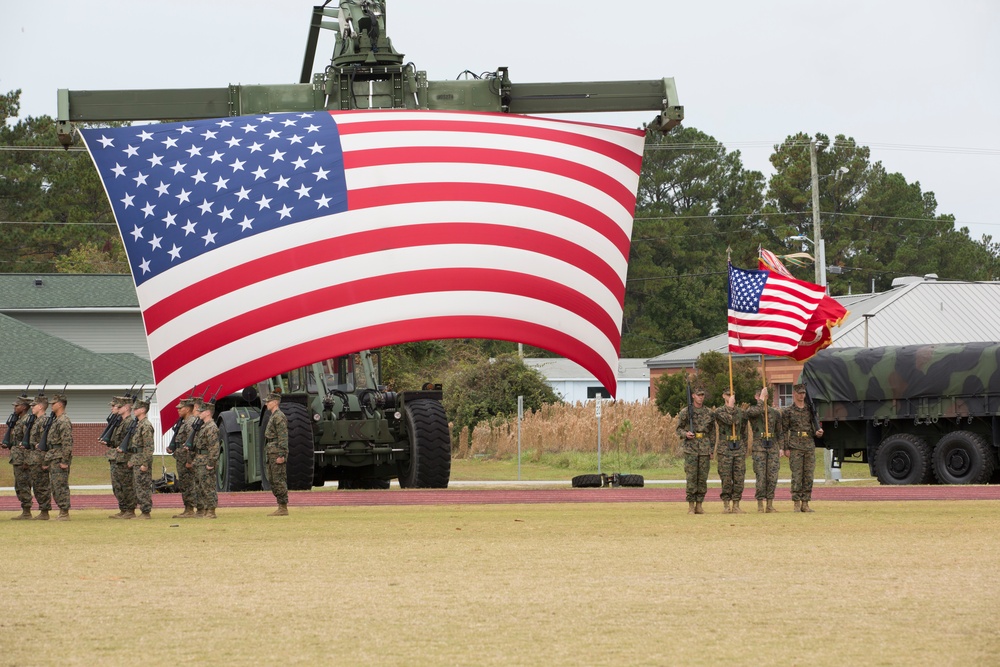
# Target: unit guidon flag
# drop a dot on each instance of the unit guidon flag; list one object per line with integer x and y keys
{"x": 259, "y": 244}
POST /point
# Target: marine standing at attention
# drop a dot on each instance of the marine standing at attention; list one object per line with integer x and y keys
{"x": 732, "y": 462}
{"x": 59, "y": 456}
{"x": 766, "y": 443}
{"x": 276, "y": 451}
{"x": 206, "y": 456}
{"x": 800, "y": 447}
{"x": 141, "y": 459}
{"x": 696, "y": 429}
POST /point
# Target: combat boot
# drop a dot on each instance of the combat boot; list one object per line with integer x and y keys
{"x": 200, "y": 514}
{"x": 210, "y": 514}
{"x": 42, "y": 515}
{"x": 186, "y": 514}
{"x": 144, "y": 515}
{"x": 690, "y": 507}
{"x": 770, "y": 506}
{"x": 25, "y": 514}
{"x": 736, "y": 508}
{"x": 805, "y": 506}
{"x": 281, "y": 511}
{"x": 128, "y": 514}
{"x": 725, "y": 507}
{"x": 63, "y": 515}
{"x": 798, "y": 506}
{"x": 698, "y": 509}
{"x": 760, "y": 504}
{"x": 120, "y": 515}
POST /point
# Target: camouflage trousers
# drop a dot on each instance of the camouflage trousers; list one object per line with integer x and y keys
{"x": 142, "y": 483}
{"x": 123, "y": 486}
{"x": 732, "y": 471}
{"x": 696, "y": 470}
{"x": 22, "y": 485}
{"x": 277, "y": 475}
{"x": 803, "y": 464}
{"x": 41, "y": 485}
{"x": 186, "y": 479}
{"x": 59, "y": 482}
{"x": 208, "y": 496}
{"x": 765, "y": 467}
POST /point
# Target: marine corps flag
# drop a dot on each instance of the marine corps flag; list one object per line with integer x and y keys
{"x": 259, "y": 244}
{"x": 829, "y": 313}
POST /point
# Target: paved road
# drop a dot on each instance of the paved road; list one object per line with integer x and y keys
{"x": 519, "y": 494}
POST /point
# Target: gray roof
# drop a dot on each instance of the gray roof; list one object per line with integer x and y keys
{"x": 558, "y": 368}
{"x": 20, "y": 291}
{"x": 29, "y": 355}
{"x": 919, "y": 312}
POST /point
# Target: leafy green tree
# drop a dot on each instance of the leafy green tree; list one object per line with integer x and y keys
{"x": 712, "y": 369}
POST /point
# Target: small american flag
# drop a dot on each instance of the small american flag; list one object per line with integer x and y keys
{"x": 259, "y": 244}
{"x": 768, "y": 312}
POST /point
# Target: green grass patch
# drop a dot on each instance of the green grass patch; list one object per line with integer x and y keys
{"x": 856, "y": 583}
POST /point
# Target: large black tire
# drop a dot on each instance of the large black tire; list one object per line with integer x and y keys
{"x": 587, "y": 481}
{"x": 902, "y": 458}
{"x": 429, "y": 466}
{"x": 301, "y": 457}
{"x": 963, "y": 457}
{"x": 363, "y": 483}
{"x": 232, "y": 467}
{"x": 631, "y": 480}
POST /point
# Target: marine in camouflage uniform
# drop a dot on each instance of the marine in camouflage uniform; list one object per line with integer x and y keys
{"x": 276, "y": 451}
{"x": 732, "y": 462}
{"x": 800, "y": 446}
{"x": 40, "y": 484}
{"x": 122, "y": 482}
{"x": 766, "y": 450}
{"x": 699, "y": 448}
{"x": 140, "y": 460}
{"x": 182, "y": 456}
{"x": 18, "y": 456}
{"x": 59, "y": 456}
{"x": 206, "y": 456}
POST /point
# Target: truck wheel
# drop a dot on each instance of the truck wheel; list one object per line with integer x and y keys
{"x": 587, "y": 481}
{"x": 631, "y": 480}
{"x": 232, "y": 467}
{"x": 429, "y": 466}
{"x": 902, "y": 458}
{"x": 963, "y": 457}
{"x": 301, "y": 459}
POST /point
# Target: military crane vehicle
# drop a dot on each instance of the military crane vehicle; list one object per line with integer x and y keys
{"x": 342, "y": 424}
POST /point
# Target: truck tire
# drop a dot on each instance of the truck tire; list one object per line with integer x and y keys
{"x": 301, "y": 459}
{"x": 429, "y": 466}
{"x": 902, "y": 458}
{"x": 232, "y": 467}
{"x": 631, "y": 480}
{"x": 963, "y": 457}
{"x": 587, "y": 481}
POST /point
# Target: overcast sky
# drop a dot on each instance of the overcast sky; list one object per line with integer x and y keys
{"x": 917, "y": 81}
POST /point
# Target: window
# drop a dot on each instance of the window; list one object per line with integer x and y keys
{"x": 594, "y": 392}
{"x": 784, "y": 395}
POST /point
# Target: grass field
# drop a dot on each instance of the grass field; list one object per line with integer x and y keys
{"x": 854, "y": 584}
{"x": 93, "y": 470}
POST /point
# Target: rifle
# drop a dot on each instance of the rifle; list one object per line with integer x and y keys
{"x": 114, "y": 419}
{"x": 189, "y": 443}
{"x": 26, "y": 440}
{"x": 173, "y": 440}
{"x": 690, "y": 408}
{"x": 12, "y": 421}
{"x": 812, "y": 412}
{"x": 43, "y": 444}
{"x": 127, "y": 437}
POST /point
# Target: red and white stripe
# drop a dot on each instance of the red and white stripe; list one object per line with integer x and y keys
{"x": 786, "y": 306}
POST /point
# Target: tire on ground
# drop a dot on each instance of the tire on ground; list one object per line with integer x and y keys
{"x": 963, "y": 457}
{"x": 902, "y": 458}
{"x": 232, "y": 467}
{"x": 429, "y": 466}
{"x": 631, "y": 480}
{"x": 301, "y": 459}
{"x": 587, "y": 481}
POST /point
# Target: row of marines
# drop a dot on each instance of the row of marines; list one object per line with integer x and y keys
{"x": 41, "y": 452}
{"x": 794, "y": 427}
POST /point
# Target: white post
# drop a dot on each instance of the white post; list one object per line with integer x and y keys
{"x": 598, "y": 408}
{"x": 520, "y": 416}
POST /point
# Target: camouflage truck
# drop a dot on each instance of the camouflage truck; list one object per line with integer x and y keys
{"x": 916, "y": 414}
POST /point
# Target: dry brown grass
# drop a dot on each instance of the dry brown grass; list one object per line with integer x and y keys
{"x": 856, "y": 583}
{"x": 562, "y": 427}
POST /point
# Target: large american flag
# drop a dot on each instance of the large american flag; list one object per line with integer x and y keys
{"x": 260, "y": 244}
{"x": 768, "y": 312}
